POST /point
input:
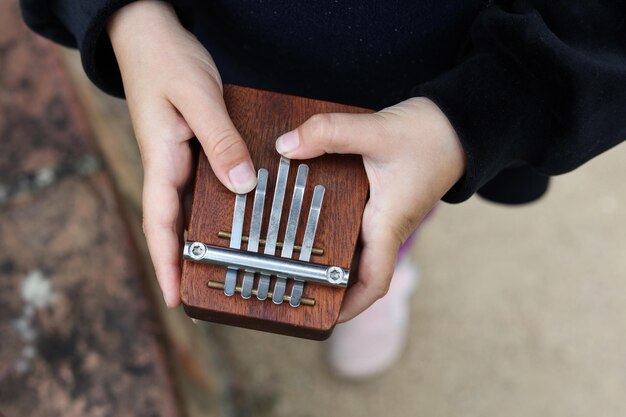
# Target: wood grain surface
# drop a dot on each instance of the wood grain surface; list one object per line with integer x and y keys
{"x": 261, "y": 117}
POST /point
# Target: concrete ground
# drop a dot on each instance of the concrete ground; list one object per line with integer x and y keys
{"x": 520, "y": 311}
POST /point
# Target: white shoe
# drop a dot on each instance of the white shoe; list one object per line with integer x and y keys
{"x": 371, "y": 342}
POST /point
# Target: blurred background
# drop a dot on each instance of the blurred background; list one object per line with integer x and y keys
{"x": 520, "y": 311}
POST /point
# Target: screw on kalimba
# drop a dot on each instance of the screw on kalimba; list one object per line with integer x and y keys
{"x": 334, "y": 274}
{"x": 197, "y": 250}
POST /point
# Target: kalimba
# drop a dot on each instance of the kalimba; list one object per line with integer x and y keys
{"x": 279, "y": 258}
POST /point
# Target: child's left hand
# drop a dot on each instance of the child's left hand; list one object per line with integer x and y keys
{"x": 412, "y": 156}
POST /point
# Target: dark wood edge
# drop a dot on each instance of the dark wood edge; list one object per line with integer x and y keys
{"x": 252, "y": 323}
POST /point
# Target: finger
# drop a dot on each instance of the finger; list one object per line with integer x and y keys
{"x": 333, "y": 133}
{"x": 226, "y": 151}
{"x": 162, "y": 218}
{"x": 376, "y": 266}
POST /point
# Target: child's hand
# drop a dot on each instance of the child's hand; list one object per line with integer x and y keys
{"x": 412, "y": 156}
{"x": 174, "y": 92}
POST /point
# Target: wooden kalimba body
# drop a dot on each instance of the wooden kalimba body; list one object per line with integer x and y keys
{"x": 279, "y": 258}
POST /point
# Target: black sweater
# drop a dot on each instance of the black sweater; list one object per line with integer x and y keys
{"x": 536, "y": 85}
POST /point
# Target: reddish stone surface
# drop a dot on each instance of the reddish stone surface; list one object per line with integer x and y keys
{"x": 77, "y": 334}
{"x": 40, "y": 122}
{"x": 78, "y": 337}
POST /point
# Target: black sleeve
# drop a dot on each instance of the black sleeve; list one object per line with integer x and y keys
{"x": 542, "y": 83}
{"x": 80, "y": 24}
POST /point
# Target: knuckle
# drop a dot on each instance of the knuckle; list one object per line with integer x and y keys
{"x": 380, "y": 289}
{"x": 321, "y": 128}
{"x": 170, "y": 133}
{"x": 379, "y": 123}
{"x": 145, "y": 227}
{"x": 148, "y": 226}
{"x": 152, "y": 219}
{"x": 185, "y": 89}
{"x": 179, "y": 129}
{"x": 224, "y": 144}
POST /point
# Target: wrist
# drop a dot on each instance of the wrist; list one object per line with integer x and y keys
{"x": 138, "y": 23}
{"x": 446, "y": 142}
{"x": 436, "y": 140}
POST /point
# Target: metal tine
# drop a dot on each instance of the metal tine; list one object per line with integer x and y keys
{"x": 292, "y": 228}
{"x": 307, "y": 243}
{"x": 235, "y": 242}
{"x": 255, "y": 229}
{"x": 274, "y": 223}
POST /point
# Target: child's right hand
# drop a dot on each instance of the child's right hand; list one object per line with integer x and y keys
{"x": 174, "y": 93}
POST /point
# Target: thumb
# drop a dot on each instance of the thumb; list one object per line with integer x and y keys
{"x": 226, "y": 151}
{"x": 332, "y": 133}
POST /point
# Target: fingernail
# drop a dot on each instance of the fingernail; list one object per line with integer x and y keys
{"x": 288, "y": 142}
{"x": 242, "y": 178}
